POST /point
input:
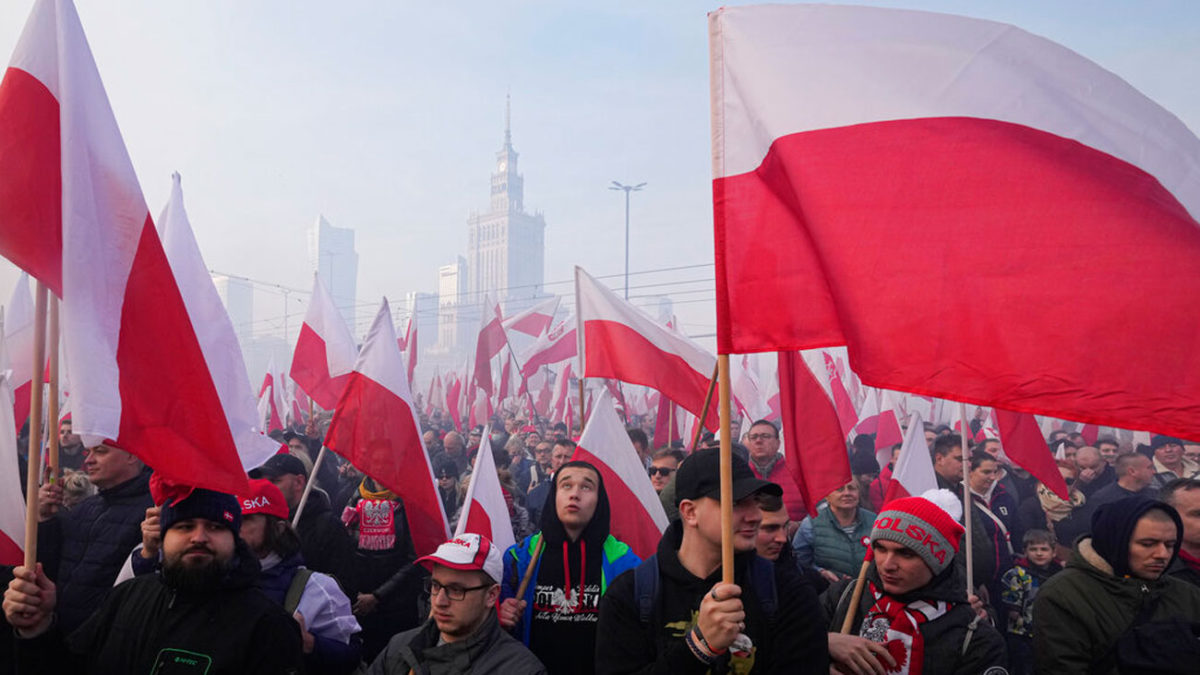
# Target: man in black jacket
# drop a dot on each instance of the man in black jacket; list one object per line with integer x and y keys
{"x": 83, "y": 548}
{"x": 767, "y": 622}
{"x": 203, "y": 614}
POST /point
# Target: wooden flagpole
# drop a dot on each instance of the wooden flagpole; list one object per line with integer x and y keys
{"x": 962, "y": 430}
{"x": 712, "y": 384}
{"x": 52, "y": 402}
{"x": 35, "y": 427}
{"x": 726, "y": 472}
{"x": 582, "y": 409}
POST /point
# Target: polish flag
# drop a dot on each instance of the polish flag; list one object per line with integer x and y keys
{"x": 553, "y": 346}
{"x": 454, "y": 400}
{"x": 270, "y": 398}
{"x": 74, "y": 217}
{"x": 12, "y": 504}
{"x": 640, "y": 519}
{"x": 868, "y": 416}
{"x": 562, "y": 396}
{"x": 481, "y": 409}
{"x": 887, "y": 432}
{"x": 913, "y": 473}
{"x": 485, "y": 512}
{"x": 435, "y": 397}
{"x": 214, "y": 330}
{"x": 18, "y": 333}
{"x": 375, "y": 427}
{"x": 666, "y": 425}
{"x": 325, "y": 350}
{"x": 813, "y": 442}
{"x": 622, "y": 342}
{"x": 1025, "y": 445}
{"x": 535, "y": 320}
{"x": 408, "y": 345}
{"x": 846, "y": 412}
{"x": 979, "y": 136}
{"x": 489, "y": 343}
{"x": 1090, "y": 433}
{"x": 505, "y": 390}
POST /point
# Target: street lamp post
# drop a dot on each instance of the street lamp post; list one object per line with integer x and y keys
{"x": 627, "y": 189}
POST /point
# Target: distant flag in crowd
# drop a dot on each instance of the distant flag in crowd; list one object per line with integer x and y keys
{"x": 846, "y": 412}
{"x": 887, "y": 431}
{"x": 325, "y": 350}
{"x": 18, "y": 333}
{"x": 1025, "y": 445}
{"x": 435, "y": 397}
{"x": 454, "y": 400}
{"x": 622, "y": 342}
{"x": 489, "y": 343}
{"x": 978, "y": 135}
{"x": 639, "y": 518}
{"x": 12, "y": 504}
{"x": 562, "y": 396}
{"x": 214, "y": 331}
{"x": 535, "y": 320}
{"x": 913, "y": 473}
{"x": 1090, "y": 433}
{"x": 375, "y": 427}
{"x": 484, "y": 509}
{"x": 554, "y": 346}
{"x": 408, "y": 345}
{"x": 666, "y": 424}
{"x": 868, "y": 415}
{"x": 813, "y": 443}
{"x": 74, "y": 217}
{"x": 270, "y": 399}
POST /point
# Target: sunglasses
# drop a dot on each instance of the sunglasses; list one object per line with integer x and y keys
{"x": 663, "y": 471}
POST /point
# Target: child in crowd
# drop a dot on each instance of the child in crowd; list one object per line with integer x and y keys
{"x": 1019, "y": 587}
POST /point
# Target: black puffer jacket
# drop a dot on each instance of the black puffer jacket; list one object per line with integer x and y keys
{"x": 83, "y": 548}
{"x": 145, "y": 626}
{"x": 325, "y": 543}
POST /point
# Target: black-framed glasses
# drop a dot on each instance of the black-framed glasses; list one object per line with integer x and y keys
{"x": 663, "y": 471}
{"x": 453, "y": 591}
{"x": 760, "y": 437}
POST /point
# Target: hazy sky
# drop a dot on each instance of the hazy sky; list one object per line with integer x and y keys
{"x": 385, "y": 117}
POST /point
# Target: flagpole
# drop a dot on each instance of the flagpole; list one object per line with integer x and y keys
{"x": 52, "y": 403}
{"x": 712, "y": 383}
{"x": 308, "y": 486}
{"x": 962, "y": 430}
{"x": 582, "y": 409}
{"x": 726, "y": 473}
{"x": 35, "y": 427}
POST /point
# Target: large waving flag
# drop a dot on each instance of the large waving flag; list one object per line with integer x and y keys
{"x": 554, "y": 346}
{"x": 813, "y": 442}
{"x": 484, "y": 510}
{"x": 12, "y": 504}
{"x": 622, "y": 342}
{"x": 638, "y": 518}
{"x": 489, "y": 343}
{"x": 72, "y": 215}
{"x": 325, "y": 350}
{"x": 535, "y": 320}
{"x": 853, "y": 145}
{"x": 18, "y": 333}
{"x": 375, "y": 427}
{"x": 214, "y": 330}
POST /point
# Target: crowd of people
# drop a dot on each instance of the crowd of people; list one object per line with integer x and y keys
{"x": 133, "y": 577}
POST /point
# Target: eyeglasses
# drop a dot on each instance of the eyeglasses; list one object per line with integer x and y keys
{"x": 760, "y": 437}
{"x": 663, "y": 471}
{"x": 453, "y": 591}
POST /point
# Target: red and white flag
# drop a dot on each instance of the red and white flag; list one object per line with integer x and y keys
{"x": 12, "y": 504}
{"x": 913, "y": 473}
{"x": 846, "y": 412}
{"x": 214, "y": 330}
{"x": 1025, "y": 445}
{"x": 489, "y": 343}
{"x": 887, "y": 431}
{"x": 979, "y": 136}
{"x": 535, "y": 320}
{"x": 72, "y": 214}
{"x": 562, "y": 396}
{"x": 408, "y": 345}
{"x": 325, "y": 350}
{"x": 484, "y": 509}
{"x": 622, "y": 342}
{"x": 18, "y": 333}
{"x": 270, "y": 399}
{"x": 375, "y": 427}
{"x": 454, "y": 400}
{"x": 813, "y": 442}
{"x": 554, "y": 346}
{"x": 638, "y": 518}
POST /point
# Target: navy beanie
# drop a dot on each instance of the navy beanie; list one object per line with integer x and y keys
{"x": 1112, "y": 528}
{"x": 207, "y": 504}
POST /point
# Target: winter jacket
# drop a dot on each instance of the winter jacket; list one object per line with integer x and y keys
{"x": 337, "y": 647}
{"x": 822, "y": 543}
{"x": 983, "y": 550}
{"x": 793, "y": 501}
{"x": 83, "y": 548}
{"x": 793, "y": 641}
{"x": 488, "y": 650}
{"x": 1081, "y": 611}
{"x": 1180, "y": 569}
{"x": 944, "y": 636}
{"x": 1018, "y": 590}
{"x": 146, "y": 626}
{"x": 324, "y": 542}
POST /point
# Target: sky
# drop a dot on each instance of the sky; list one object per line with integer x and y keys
{"x": 385, "y": 117}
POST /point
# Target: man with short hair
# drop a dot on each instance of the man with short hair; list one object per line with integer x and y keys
{"x": 560, "y": 454}
{"x": 541, "y": 458}
{"x": 70, "y": 447}
{"x": 665, "y": 463}
{"x": 914, "y": 612}
{"x": 675, "y": 615}
{"x": 454, "y": 448}
{"x": 1094, "y": 472}
{"x": 83, "y": 548}
{"x": 768, "y": 463}
{"x": 462, "y": 634}
{"x": 948, "y": 465}
{"x": 1183, "y": 494}
{"x": 203, "y": 614}
{"x": 1135, "y": 473}
{"x": 1109, "y": 449}
{"x": 1169, "y": 462}
{"x": 1115, "y": 577}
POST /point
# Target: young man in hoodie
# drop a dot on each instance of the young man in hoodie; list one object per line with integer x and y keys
{"x": 674, "y": 615}
{"x": 574, "y": 560}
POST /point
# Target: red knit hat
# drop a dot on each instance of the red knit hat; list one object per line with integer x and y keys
{"x": 264, "y": 497}
{"x": 921, "y": 526}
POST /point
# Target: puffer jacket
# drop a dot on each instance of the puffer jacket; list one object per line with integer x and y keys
{"x": 1080, "y": 612}
{"x": 487, "y": 650}
{"x": 822, "y": 543}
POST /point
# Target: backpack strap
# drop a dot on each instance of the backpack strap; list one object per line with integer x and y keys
{"x": 762, "y": 576}
{"x": 292, "y": 600}
{"x": 645, "y": 588}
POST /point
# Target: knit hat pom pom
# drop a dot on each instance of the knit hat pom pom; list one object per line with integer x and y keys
{"x": 946, "y": 500}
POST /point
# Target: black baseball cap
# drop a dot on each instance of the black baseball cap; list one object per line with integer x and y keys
{"x": 700, "y": 476}
{"x": 280, "y": 465}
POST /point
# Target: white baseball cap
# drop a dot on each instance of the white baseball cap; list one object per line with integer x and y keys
{"x": 468, "y": 552}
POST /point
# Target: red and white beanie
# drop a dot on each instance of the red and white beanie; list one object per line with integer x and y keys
{"x": 468, "y": 552}
{"x": 922, "y": 525}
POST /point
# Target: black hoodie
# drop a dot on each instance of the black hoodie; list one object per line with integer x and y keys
{"x": 563, "y": 630}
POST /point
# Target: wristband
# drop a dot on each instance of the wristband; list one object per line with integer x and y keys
{"x": 700, "y": 652}
{"x": 707, "y": 647}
